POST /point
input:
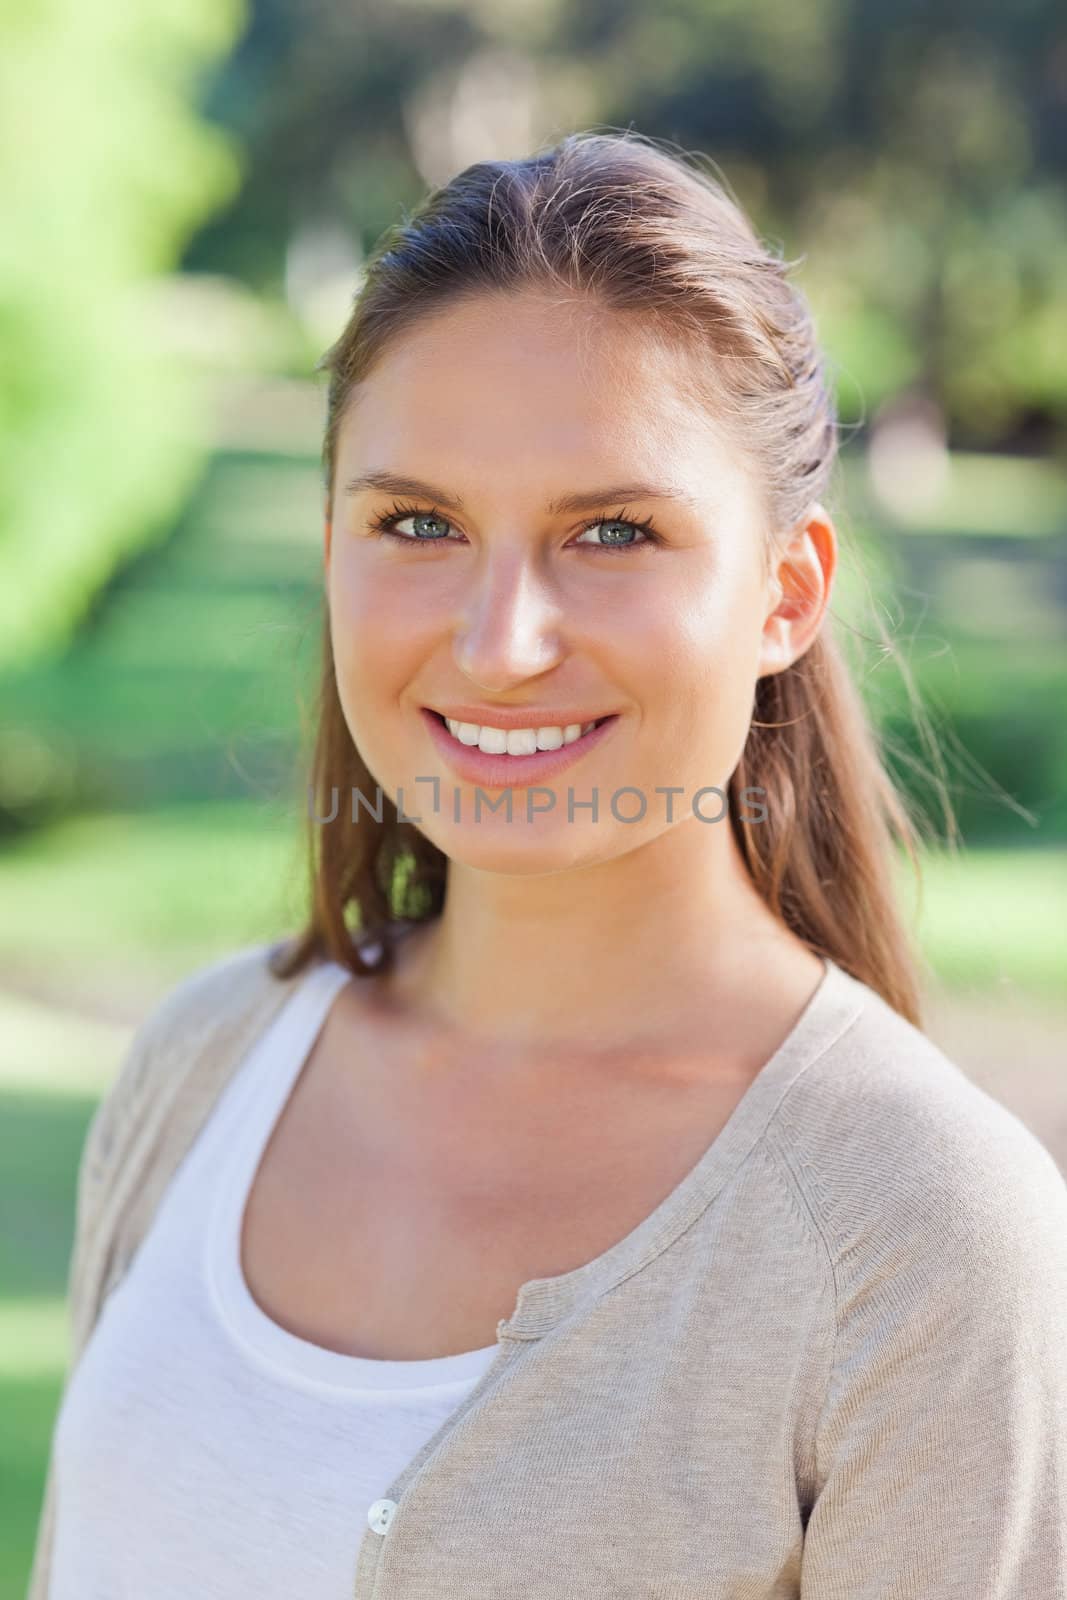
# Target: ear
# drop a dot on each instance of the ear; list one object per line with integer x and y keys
{"x": 799, "y": 586}
{"x": 328, "y": 526}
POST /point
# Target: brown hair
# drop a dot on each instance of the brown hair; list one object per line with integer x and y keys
{"x": 623, "y": 220}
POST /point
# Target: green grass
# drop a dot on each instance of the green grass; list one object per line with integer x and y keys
{"x": 41, "y": 1138}
{"x": 995, "y": 919}
{"x": 29, "y": 1404}
{"x": 150, "y": 892}
{"x": 189, "y": 678}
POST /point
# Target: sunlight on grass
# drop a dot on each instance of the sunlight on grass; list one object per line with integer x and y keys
{"x": 58, "y": 1051}
{"x": 995, "y": 917}
{"x": 157, "y": 890}
{"x": 34, "y": 1339}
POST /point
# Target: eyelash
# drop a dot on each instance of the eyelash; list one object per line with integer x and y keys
{"x": 383, "y": 523}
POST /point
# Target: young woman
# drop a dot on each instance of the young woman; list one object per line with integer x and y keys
{"x": 576, "y": 1208}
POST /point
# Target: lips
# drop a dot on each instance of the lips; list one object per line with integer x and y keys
{"x": 504, "y": 771}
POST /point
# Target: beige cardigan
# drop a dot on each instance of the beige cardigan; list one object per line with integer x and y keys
{"x": 831, "y": 1364}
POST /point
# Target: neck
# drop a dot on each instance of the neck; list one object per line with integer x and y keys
{"x": 671, "y": 936}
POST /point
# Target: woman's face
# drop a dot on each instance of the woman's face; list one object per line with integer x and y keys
{"x": 487, "y": 595}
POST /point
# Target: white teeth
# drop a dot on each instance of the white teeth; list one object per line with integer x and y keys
{"x": 516, "y": 741}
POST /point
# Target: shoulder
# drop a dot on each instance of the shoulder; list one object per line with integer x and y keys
{"x": 216, "y": 993}
{"x": 210, "y": 1002}
{"x": 940, "y": 1448}
{"x": 905, "y": 1164}
{"x": 192, "y": 1036}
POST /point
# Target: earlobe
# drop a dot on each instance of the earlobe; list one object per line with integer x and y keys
{"x": 775, "y": 652}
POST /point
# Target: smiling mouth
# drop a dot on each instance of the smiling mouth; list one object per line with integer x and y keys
{"x": 597, "y": 723}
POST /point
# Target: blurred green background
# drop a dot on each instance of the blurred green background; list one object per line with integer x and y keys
{"x": 183, "y": 233}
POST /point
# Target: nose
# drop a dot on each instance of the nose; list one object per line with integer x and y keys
{"x": 509, "y": 629}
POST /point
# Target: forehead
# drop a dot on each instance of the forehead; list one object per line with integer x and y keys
{"x": 501, "y": 379}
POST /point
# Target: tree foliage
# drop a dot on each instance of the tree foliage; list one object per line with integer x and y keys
{"x": 914, "y": 155}
{"x": 105, "y": 170}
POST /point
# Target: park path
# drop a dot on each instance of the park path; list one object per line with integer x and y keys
{"x": 1015, "y": 1049}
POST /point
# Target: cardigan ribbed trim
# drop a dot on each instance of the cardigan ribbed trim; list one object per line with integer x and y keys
{"x": 832, "y": 1009}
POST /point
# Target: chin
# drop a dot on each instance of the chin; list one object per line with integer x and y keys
{"x": 519, "y": 849}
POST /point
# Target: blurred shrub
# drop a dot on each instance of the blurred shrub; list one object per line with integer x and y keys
{"x": 105, "y": 170}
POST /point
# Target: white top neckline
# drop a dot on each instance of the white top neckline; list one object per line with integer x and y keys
{"x": 267, "y": 1080}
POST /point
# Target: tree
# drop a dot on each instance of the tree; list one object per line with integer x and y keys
{"x": 105, "y": 170}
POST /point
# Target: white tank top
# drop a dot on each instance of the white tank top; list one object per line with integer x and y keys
{"x": 201, "y": 1449}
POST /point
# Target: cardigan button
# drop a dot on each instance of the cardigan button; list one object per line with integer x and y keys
{"x": 380, "y": 1515}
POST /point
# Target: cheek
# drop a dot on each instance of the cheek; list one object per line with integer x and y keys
{"x": 700, "y": 647}
{"x": 361, "y": 592}
{"x": 369, "y": 634}
{"x": 373, "y": 622}
{"x": 703, "y": 633}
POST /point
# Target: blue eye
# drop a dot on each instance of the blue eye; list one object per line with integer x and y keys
{"x": 387, "y": 524}
{"x": 643, "y": 528}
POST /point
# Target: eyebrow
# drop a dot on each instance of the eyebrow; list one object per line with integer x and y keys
{"x": 585, "y": 500}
